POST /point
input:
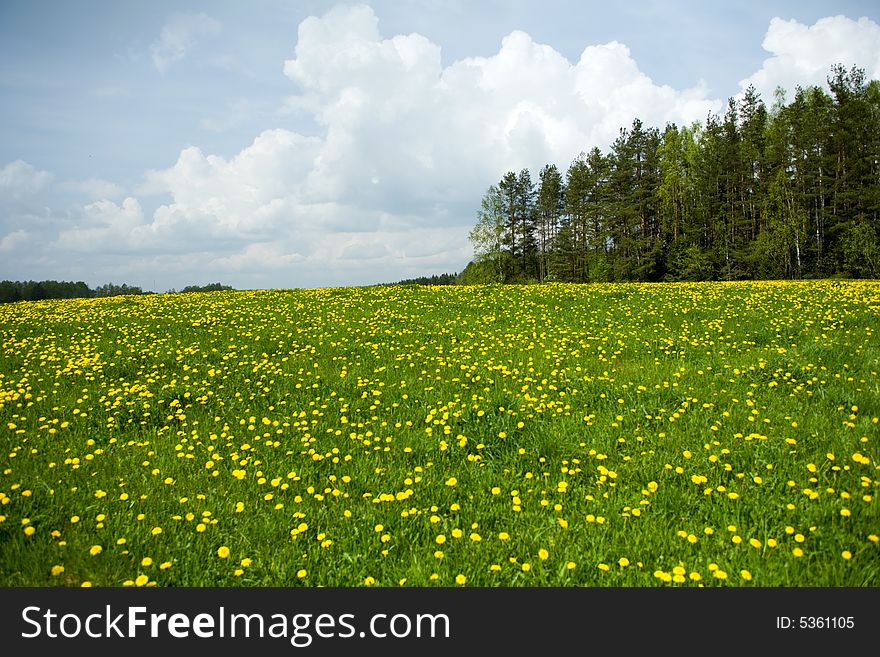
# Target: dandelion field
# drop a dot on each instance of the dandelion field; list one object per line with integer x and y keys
{"x": 717, "y": 434}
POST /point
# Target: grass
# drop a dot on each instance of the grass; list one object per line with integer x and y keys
{"x": 598, "y": 435}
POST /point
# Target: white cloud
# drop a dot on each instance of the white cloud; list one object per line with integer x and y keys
{"x": 104, "y": 227}
{"x": 803, "y": 55}
{"x": 20, "y": 180}
{"x": 94, "y": 188}
{"x": 14, "y": 240}
{"x": 179, "y": 35}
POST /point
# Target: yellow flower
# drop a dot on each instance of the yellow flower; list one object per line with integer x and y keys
{"x": 440, "y": 540}
{"x": 141, "y": 580}
{"x": 246, "y": 562}
{"x": 623, "y": 561}
{"x": 223, "y": 552}
{"x": 301, "y": 573}
{"x": 57, "y": 570}
{"x": 460, "y": 579}
{"x": 146, "y": 562}
{"x": 29, "y": 531}
{"x": 452, "y": 481}
{"x": 846, "y": 554}
{"x": 746, "y": 575}
{"x": 543, "y": 554}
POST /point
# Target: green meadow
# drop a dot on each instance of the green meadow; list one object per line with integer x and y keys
{"x": 706, "y": 434}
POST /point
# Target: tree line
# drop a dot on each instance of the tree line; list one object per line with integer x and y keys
{"x": 435, "y": 279}
{"x": 11, "y": 291}
{"x": 787, "y": 192}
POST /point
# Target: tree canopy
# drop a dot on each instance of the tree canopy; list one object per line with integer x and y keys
{"x": 792, "y": 191}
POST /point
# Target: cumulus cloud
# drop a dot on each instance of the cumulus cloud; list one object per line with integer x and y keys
{"x": 104, "y": 227}
{"x": 20, "y": 180}
{"x": 94, "y": 188}
{"x": 14, "y": 240}
{"x": 804, "y": 54}
{"x": 179, "y": 35}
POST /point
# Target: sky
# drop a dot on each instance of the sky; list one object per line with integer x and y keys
{"x": 274, "y": 144}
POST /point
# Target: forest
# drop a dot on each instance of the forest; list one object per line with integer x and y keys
{"x": 12, "y": 291}
{"x": 788, "y": 192}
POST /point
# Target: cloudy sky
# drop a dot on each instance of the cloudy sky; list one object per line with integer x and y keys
{"x": 299, "y": 144}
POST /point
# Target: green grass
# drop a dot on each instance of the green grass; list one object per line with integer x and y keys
{"x": 687, "y": 430}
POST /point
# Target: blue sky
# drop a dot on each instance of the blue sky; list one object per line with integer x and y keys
{"x": 280, "y": 144}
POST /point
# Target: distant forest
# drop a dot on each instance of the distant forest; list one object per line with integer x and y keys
{"x": 787, "y": 192}
{"x": 11, "y": 291}
{"x": 436, "y": 279}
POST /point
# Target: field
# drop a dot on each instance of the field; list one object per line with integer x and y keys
{"x": 717, "y": 434}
